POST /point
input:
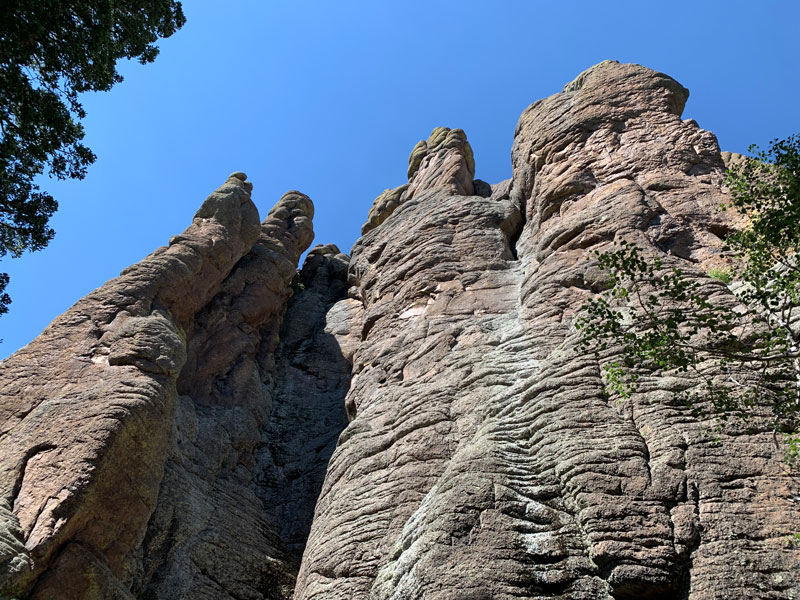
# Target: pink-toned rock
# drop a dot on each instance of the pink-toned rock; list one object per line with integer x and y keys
{"x": 443, "y": 162}
{"x": 131, "y": 426}
{"x": 85, "y": 409}
{"x": 483, "y": 459}
{"x": 168, "y": 436}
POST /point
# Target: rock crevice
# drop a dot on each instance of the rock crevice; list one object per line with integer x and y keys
{"x": 413, "y": 420}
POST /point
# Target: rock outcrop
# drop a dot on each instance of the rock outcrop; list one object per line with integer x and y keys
{"x": 169, "y": 435}
{"x": 443, "y": 161}
{"x": 138, "y": 428}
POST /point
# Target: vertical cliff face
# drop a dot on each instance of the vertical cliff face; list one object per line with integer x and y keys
{"x": 152, "y": 444}
{"x": 169, "y": 435}
{"x": 86, "y": 409}
{"x": 483, "y": 459}
{"x": 227, "y": 521}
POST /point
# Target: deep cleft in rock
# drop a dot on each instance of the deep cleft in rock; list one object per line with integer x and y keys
{"x": 414, "y": 420}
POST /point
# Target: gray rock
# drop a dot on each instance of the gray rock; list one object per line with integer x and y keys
{"x": 442, "y": 162}
{"x": 483, "y": 459}
{"x": 413, "y": 421}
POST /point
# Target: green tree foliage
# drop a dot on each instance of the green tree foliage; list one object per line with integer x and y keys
{"x": 742, "y": 348}
{"x": 50, "y": 52}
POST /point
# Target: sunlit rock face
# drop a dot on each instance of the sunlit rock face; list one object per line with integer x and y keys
{"x": 165, "y": 438}
{"x": 482, "y": 459}
{"x": 409, "y": 422}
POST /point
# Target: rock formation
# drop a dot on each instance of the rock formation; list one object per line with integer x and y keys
{"x": 140, "y": 457}
{"x": 168, "y": 436}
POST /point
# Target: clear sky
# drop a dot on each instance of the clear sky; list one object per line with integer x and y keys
{"x": 330, "y": 97}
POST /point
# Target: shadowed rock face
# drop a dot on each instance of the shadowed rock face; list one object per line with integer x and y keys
{"x": 138, "y": 428}
{"x": 168, "y": 436}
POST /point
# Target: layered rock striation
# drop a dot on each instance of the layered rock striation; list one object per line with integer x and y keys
{"x": 169, "y": 435}
{"x": 141, "y": 453}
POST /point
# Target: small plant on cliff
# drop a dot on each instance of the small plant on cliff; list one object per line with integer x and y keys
{"x": 743, "y": 351}
{"x": 720, "y": 275}
{"x": 50, "y": 52}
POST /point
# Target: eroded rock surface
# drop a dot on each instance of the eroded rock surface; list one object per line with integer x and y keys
{"x": 211, "y": 536}
{"x": 134, "y": 426}
{"x": 413, "y": 420}
{"x": 86, "y": 408}
{"x": 483, "y": 459}
{"x": 444, "y": 161}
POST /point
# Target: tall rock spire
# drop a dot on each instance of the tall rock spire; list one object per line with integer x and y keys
{"x": 168, "y": 436}
{"x": 443, "y": 162}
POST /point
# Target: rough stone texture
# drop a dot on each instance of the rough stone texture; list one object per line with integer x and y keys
{"x": 210, "y": 536}
{"x": 85, "y": 409}
{"x": 312, "y": 377}
{"x": 444, "y": 161}
{"x": 134, "y": 425}
{"x": 168, "y": 436}
{"x": 483, "y": 459}
{"x": 731, "y": 159}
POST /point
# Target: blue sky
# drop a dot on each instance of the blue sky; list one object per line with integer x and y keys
{"x": 330, "y": 97}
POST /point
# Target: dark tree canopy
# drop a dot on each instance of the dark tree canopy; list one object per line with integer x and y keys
{"x": 50, "y": 52}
